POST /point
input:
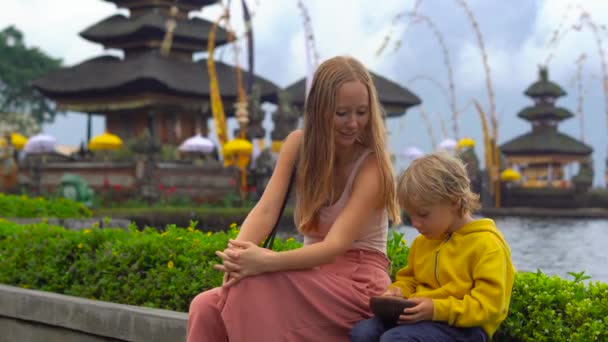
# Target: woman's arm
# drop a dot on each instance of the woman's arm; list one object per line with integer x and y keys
{"x": 364, "y": 202}
{"x": 262, "y": 217}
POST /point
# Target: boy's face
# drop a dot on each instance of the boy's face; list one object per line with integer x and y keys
{"x": 433, "y": 221}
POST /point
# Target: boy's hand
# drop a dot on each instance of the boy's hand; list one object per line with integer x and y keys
{"x": 393, "y": 292}
{"x": 423, "y": 311}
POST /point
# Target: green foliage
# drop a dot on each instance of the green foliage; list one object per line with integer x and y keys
{"x": 397, "y": 251}
{"x": 23, "y": 206}
{"x": 160, "y": 216}
{"x": 167, "y": 269}
{"x": 19, "y": 66}
{"x": 549, "y": 308}
{"x": 149, "y": 268}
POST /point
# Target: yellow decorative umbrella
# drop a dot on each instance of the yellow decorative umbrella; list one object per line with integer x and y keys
{"x": 106, "y": 141}
{"x": 17, "y": 140}
{"x": 238, "y": 152}
{"x": 237, "y": 146}
{"x": 465, "y": 143}
{"x": 510, "y": 175}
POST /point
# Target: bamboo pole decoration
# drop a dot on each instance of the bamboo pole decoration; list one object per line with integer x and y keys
{"x": 429, "y": 126}
{"x": 240, "y": 106}
{"x": 579, "y": 88}
{"x": 396, "y": 20}
{"x": 558, "y": 34}
{"x": 433, "y": 81}
{"x": 417, "y": 17}
{"x": 217, "y": 107}
{"x": 444, "y": 129}
{"x": 171, "y": 24}
{"x": 484, "y": 55}
{"x": 585, "y": 19}
{"x": 448, "y": 64}
{"x": 247, "y": 19}
{"x": 491, "y": 155}
{"x": 486, "y": 65}
{"x": 312, "y": 55}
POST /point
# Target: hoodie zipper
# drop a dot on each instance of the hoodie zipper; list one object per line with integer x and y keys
{"x": 437, "y": 257}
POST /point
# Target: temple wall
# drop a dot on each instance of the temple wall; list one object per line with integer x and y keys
{"x": 200, "y": 183}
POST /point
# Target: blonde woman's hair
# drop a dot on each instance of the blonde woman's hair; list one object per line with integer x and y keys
{"x": 437, "y": 178}
{"x": 314, "y": 184}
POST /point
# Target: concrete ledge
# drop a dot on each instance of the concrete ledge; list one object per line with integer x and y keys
{"x": 30, "y": 315}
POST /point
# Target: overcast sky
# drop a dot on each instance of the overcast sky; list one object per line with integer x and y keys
{"x": 516, "y": 35}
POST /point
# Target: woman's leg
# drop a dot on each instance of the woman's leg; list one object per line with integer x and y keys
{"x": 368, "y": 330}
{"x": 204, "y": 320}
{"x": 429, "y": 331}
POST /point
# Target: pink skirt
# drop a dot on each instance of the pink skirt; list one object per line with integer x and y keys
{"x": 321, "y": 304}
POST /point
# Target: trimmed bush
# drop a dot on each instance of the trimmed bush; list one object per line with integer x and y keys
{"x": 215, "y": 218}
{"x": 167, "y": 269}
{"x": 549, "y": 308}
{"x": 23, "y": 206}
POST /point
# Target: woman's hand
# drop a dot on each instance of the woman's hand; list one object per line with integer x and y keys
{"x": 242, "y": 259}
{"x": 423, "y": 311}
{"x": 224, "y": 268}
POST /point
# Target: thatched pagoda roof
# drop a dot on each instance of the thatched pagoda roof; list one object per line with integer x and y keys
{"x": 394, "y": 98}
{"x": 545, "y": 140}
{"x": 191, "y": 4}
{"x": 120, "y": 31}
{"x": 541, "y": 112}
{"x": 544, "y": 87}
{"x": 149, "y": 72}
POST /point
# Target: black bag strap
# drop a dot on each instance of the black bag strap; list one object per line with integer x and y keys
{"x": 270, "y": 238}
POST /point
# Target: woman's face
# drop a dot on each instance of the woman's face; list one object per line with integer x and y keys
{"x": 352, "y": 113}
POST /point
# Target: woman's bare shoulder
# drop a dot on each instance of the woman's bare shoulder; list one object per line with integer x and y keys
{"x": 369, "y": 172}
{"x": 291, "y": 145}
{"x": 295, "y": 136}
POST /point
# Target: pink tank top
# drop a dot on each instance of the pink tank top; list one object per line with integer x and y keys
{"x": 374, "y": 234}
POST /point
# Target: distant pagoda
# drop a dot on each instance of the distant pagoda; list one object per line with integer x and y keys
{"x": 542, "y": 154}
{"x": 394, "y": 98}
{"x": 168, "y": 94}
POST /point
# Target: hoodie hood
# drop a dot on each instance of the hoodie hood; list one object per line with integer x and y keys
{"x": 483, "y": 225}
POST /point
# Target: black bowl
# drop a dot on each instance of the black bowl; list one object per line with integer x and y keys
{"x": 389, "y": 308}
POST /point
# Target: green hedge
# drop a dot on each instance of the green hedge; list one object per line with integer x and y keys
{"x": 166, "y": 270}
{"x": 212, "y": 218}
{"x": 23, "y": 206}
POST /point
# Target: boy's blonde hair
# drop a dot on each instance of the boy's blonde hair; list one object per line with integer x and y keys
{"x": 436, "y": 178}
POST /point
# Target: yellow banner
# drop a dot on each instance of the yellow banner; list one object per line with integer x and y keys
{"x": 217, "y": 108}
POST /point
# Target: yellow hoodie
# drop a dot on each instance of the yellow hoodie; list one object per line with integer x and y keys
{"x": 469, "y": 276}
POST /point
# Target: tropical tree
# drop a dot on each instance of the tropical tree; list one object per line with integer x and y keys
{"x": 19, "y": 66}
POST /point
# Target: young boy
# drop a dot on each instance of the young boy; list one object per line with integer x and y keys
{"x": 459, "y": 270}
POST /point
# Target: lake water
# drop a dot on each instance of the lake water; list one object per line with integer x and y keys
{"x": 555, "y": 246}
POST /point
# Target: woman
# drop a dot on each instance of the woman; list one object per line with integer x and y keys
{"x": 345, "y": 195}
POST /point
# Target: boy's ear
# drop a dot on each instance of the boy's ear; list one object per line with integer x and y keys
{"x": 457, "y": 207}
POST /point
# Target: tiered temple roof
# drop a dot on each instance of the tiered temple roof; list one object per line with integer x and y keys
{"x": 188, "y": 5}
{"x": 109, "y": 83}
{"x": 545, "y": 139}
{"x": 167, "y": 93}
{"x": 148, "y": 31}
{"x": 394, "y": 98}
